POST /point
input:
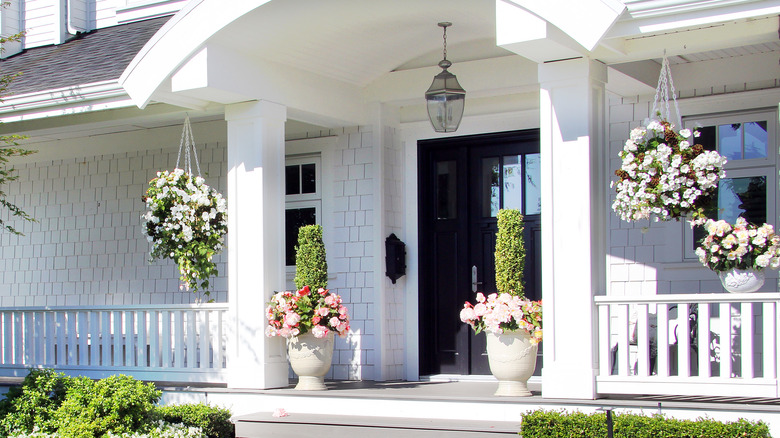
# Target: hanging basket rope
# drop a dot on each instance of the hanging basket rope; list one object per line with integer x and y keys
{"x": 186, "y": 220}
{"x": 663, "y": 91}
{"x": 187, "y": 144}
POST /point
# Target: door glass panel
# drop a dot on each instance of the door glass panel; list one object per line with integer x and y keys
{"x": 513, "y": 182}
{"x": 292, "y": 180}
{"x": 294, "y": 219}
{"x": 730, "y": 141}
{"x": 446, "y": 190}
{"x": 756, "y": 140}
{"x": 490, "y": 187}
{"x": 533, "y": 188}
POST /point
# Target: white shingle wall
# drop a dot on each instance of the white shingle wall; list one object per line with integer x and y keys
{"x": 393, "y": 175}
{"x": 350, "y": 258}
{"x": 88, "y": 247}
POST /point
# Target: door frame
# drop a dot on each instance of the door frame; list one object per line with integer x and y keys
{"x": 425, "y": 151}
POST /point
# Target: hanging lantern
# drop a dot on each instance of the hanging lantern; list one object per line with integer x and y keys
{"x": 445, "y": 97}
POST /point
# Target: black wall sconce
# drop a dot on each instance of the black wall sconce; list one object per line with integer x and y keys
{"x": 395, "y": 257}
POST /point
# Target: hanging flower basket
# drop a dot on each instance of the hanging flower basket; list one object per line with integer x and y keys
{"x": 186, "y": 220}
{"x": 665, "y": 175}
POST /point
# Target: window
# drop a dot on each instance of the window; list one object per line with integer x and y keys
{"x": 303, "y": 199}
{"x": 749, "y": 142}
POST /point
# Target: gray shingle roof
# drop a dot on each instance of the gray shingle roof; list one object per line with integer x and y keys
{"x": 100, "y": 55}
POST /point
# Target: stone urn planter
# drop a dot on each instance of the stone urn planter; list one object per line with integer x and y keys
{"x": 741, "y": 280}
{"x": 512, "y": 359}
{"x": 310, "y": 358}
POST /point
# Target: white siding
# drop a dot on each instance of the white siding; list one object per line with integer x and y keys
{"x": 80, "y": 15}
{"x": 42, "y": 22}
{"x": 11, "y": 24}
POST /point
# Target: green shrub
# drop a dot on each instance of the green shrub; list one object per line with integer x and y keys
{"x": 311, "y": 268}
{"x": 510, "y": 252}
{"x": 117, "y": 404}
{"x": 213, "y": 420}
{"x": 33, "y": 403}
{"x": 558, "y": 424}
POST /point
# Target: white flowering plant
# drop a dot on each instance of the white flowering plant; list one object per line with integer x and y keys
{"x": 665, "y": 175}
{"x": 499, "y": 313}
{"x": 741, "y": 246}
{"x": 290, "y": 314}
{"x": 186, "y": 222}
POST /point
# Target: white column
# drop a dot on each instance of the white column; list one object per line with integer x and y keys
{"x": 255, "y": 241}
{"x": 573, "y": 203}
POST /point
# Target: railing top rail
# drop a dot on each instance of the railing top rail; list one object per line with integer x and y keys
{"x": 130, "y": 307}
{"x": 757, "y": 297}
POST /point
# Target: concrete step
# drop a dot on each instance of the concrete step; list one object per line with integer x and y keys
{"x": 264, "y": 424}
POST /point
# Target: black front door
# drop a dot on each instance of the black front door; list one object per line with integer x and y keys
{"x": 463, "y": 182}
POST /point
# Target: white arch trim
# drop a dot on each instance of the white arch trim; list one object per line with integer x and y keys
{"x": 178, "y": 40}
{"x": 585, "y": 21}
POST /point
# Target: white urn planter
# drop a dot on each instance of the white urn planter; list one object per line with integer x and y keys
{"x": 310, "y": 358}
{"x": 741, "y": 280}
{"x": 512, "y": 359}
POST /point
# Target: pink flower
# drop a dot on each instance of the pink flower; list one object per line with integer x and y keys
{"x": 320, "y": 331}
{"x": 334, "y": 322}
{"x": 322, "y": 311}
{"x": 280, "y": 412}
{"x": 291, "y": 319}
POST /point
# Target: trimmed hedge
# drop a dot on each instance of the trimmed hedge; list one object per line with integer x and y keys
{"x": 212, "y": 420}
{"x": 561, "y": 424}
{"x": 311, "y": 267}
{"x": 510, "y": 253}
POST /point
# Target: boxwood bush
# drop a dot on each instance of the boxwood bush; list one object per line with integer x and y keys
{"x": 560, "y": 424}
{"x": 50, "y": 404}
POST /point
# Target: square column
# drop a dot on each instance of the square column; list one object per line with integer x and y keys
{"x": 255, "y": 241}
{"x": 573, "y": 225}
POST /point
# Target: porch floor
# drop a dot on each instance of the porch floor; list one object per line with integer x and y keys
{"x": 429, "y": 408}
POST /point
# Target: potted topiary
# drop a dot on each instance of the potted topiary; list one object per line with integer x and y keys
{"x": 512, "y": 323}
{"x": 309, "y": 317}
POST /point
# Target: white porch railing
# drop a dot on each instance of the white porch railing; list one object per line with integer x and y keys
{"x": 150, "y": 342}
{"x": 691, "y": 344}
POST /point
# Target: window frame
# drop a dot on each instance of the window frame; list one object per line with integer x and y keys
{"x": 742, "y": 168}
{"x": 305, "y": 200}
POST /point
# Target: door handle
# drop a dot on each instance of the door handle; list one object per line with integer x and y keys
{"x": 474, "y": 281}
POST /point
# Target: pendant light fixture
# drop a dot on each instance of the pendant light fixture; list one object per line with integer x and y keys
{"x": 445, "y": 97}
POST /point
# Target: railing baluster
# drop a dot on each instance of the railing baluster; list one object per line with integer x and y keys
{"x": 605, "y": 357}
{"x": 72, "y": 341}
{"x": 770, "y": 346}
{"x": 204, "y": 336}
{"x": 642, "y": 341}
{"x": 683, "y": 341}
{"x": 117, "y": 340}
{"x": 50, "y": 341}
{"x": 704, "y": 340}
{"x": 192, "y": 340}
{"x": 746, "y": 340}
{"x": 40, "y": 336}
{"x": 83, "y": 334}
{"x": 94, "y": 338}
{"x": 178, "y": 339}
{"x": 105, "y": 338}
{"x": 154, "y": 338}
{"x": 8, "y": 338}
{"x": 662, "y": 312}
{"x": 219, "y": 344}
{"x": 62, "y": 328}
{"x": 129, "y": 338}
{"x": 725, "y": 340}
{"x": 624, "y": 359}
{"x": 166, "y": 339}
{"x": 29, "y": 339}
{"x": 19, "y": 338}
{"x": 140, "y": 320}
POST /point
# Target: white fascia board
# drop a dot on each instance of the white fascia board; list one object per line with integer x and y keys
{"x": 585, "y": 21}
{"x": 532, "y": 37}
{"x": 175, "y": 43}
{"x": 148, "y": 9}
{"x": 68, "y": 97}
{"x": 687, "y": 18}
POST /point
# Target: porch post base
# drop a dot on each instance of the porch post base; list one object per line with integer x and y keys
{"x": 569, "y": 382}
